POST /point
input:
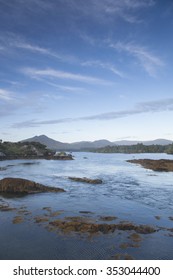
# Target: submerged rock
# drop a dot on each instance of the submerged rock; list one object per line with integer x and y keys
{"x": 86, "y": 180}
{"x": 18, "y": 220}
{"x": 108, "y": 218}
{"x": 155, "y": 165}
{"x": 82, "y": 225}
{"x": 3, "y": 168}
{"x": 23, "y": 186}
{"x": 5, "y": 208}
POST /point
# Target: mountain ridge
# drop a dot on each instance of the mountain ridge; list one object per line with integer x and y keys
{"x": 84, "y": 145}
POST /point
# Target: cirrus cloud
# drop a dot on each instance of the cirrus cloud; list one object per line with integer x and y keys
{"x": 162, "y": 105}
{"x": 58, "y": 74}
{"x": 150, "y": 62}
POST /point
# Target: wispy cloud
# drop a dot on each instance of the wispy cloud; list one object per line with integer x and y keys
{"x": 45, "y": 51}
{"x": 97, "y": 9}
{"x": 66, "y": 58}
{"x": 5, "y": 95}
{"x": 140, "y": 108}
{"x": 106, "y": 10}
{"x": 162, "y": 105}
{"x": 104, "y": 65}
{"x": 76, "y": 90}
{"x": 15, "y": 42}
{"x": 32, "y": 6}
{"x": 33, "y": 48}
{"x": 150, "y": 62}
{"x": 57, "y": 74}
{"x": 36, "y": 123}
{"x": 11, "y": 42}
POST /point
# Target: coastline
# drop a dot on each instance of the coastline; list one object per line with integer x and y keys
{"x": 160, "y": 165}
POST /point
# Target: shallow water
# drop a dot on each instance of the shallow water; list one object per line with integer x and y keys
{"x": 129, "y": 192}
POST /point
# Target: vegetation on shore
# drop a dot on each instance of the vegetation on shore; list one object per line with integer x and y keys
{"x": 15, "y": 150}
{"x": 138, "y": 148}
{"x": 29, "y": 150}
{"x": 23, "y": 149}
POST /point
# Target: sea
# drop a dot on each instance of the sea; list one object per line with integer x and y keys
{"x": 128, "y": 193}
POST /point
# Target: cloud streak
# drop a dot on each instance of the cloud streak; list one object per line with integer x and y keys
{"x": 104, "y": 65}
{"x": 57, "y": 74}
{"x": 163, "y": 105}
{"x": 140, "y": 108}
{"x": 11, "y": 41}
{"x": 148, "y": 61}
{"x": 5, "y": 95}
{"x": 106, "y": 10}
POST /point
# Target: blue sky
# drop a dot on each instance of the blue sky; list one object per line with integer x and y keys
{"x": 85, "y": 70}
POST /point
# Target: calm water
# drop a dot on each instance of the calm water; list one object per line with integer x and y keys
{"x": 128, "y": 192}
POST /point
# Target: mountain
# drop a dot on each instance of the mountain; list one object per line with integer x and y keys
{"x": 84, "y": 145}
{"x": 50, "y": 143}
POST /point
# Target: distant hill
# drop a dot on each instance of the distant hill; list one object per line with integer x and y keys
{"x": 86, "y": 145}
{"x": 147, "y": 143}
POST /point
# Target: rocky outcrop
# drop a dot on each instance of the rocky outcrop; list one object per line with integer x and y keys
{"x": 155, "y": 165}
{"x": 63, "y": 156}
{"x": 86, "y": 180}
{"x": 23, "y": 186}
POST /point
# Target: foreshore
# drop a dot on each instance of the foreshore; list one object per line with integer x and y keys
{"x": 161, "y": 165}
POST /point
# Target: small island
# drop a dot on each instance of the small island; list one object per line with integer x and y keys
{"x": 164, "y": 165}
{"x": 30, "y": 150}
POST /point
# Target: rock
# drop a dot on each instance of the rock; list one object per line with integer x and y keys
{"x": 2, "y": 155}
{"x": 5, "y": 208}
{"x": 3, "y": 168}
{"x": 86, "y": 180}
{"x": 108, "y": 218}
{"x": 86, "y": 212}
{"x": 23, "y": 186}
{"x": 155, "y": 165}
{"x": 63, "y": 156}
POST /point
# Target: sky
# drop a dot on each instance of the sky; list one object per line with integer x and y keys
{"x": 78, "y": 70}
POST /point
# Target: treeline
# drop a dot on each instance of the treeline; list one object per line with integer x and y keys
{"x": 138, "y": 148}
{"x": 22, "y": 149}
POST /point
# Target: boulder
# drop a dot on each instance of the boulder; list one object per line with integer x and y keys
{"x": 23, "y": 186}
{"x": 86, "y": 180}
{"x": 63, "y": 156}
